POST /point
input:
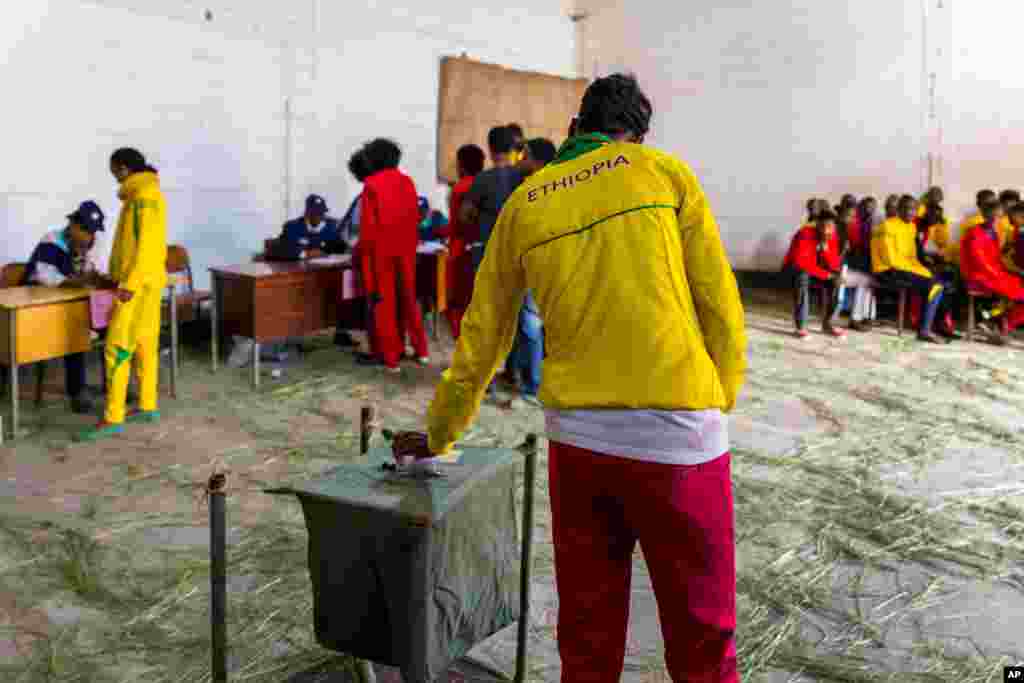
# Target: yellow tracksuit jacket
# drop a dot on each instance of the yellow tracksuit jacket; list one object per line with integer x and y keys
{"x": 894, "y": 247}
{"x": 138, "y": 263}
{"x": 640, "y": 305}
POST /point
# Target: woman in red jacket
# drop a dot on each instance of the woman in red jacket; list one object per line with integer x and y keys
{"x": 389, "y": 218}
{"x": 814, "y": 257}
{"x": 470, "y": 161}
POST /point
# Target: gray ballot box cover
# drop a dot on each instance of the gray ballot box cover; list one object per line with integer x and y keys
{"x": 411, "y": 572}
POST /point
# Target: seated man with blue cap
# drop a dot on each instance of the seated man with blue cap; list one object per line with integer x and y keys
{"x": 63, "y": 259}
{"x": 310, "y": 234}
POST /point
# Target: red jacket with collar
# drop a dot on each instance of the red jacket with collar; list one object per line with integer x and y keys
{"x": 981, "y": 264}
{"x": 804, "y": 254}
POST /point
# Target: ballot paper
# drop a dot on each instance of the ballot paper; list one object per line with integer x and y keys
{"x": 101, "y": 304}
{"x": 431, "y": 247}
{"x": 334, "y": 260}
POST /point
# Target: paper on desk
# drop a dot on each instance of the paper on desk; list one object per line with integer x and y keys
{"x": 430, "y": 247}
{"x": 333, "y": 260}
{"x": 450, "y": 458}
{"x": 349, "y": 289}
{"x": 101, "y": 304}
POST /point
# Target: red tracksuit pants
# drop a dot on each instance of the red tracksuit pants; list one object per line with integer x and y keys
{"x": 682, "y": 515}
{"x": 398, "y": 310}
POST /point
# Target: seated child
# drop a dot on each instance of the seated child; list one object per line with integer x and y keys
{"x": 982, "y": 266}
{"x": 814, "y": 258}
{"x": 896, "y": 266}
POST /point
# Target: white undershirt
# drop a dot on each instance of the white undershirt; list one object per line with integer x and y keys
{"x": 674, "y": 437}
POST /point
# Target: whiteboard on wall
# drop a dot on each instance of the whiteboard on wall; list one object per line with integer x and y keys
{"x": 475, "y": 97}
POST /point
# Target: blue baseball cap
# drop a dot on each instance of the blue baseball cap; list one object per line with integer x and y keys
{"x": 89, "y": 216}
{"x": 424, "y": 204}
{"x": 316, "y": 204}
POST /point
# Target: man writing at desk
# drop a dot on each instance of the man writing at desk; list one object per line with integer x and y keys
{"x": 63, "y": 259}
{"x": 311, "y": 235}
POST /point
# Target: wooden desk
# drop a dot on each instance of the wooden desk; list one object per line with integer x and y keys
{"x": 39, "y": 324}
{"x": 45, "y": 323}
{"x": 270, "y": 301}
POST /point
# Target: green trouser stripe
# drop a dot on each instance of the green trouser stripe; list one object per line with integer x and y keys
{"x": 135, "y": 215}
{"x": 120, "y": 357}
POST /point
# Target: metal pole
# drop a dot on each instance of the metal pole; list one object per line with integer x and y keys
{"x": 255, "y": 363}
{"x": 218, "y": 577}
{"x": 174, "y": 340}
{"x": 12, "y": 365}
{"x": 214, "y": 327}
{"x": 365, "y": 430}
{"x": 364, "y": 668}
{"x": 529, "y": 480}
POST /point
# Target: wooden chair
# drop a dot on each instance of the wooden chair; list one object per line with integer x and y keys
{"x": 189, "y": 302}
{"x": 901, "y": 307}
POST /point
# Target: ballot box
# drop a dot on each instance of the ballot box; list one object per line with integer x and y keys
{"x": 412, "y": 572}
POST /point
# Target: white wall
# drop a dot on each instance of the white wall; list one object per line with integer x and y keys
{"x": 982, "y": 101}
{"x": 774, "y": 102}
{"x": 206, "y": 101}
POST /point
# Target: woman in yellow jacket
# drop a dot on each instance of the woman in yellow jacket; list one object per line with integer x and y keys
{"x": 138, "y": 269}
{"x": 646, "y": 352}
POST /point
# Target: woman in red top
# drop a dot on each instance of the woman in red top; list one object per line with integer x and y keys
{"x": 814, "y": 258}
{"x": 389, "y": 218}
{"x": 470, "y": 161}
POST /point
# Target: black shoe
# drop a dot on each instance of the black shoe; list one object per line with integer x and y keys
{"x": 367, "y": 359}
{"x": 345, "y": 339}
{"x": 81, "y": 406}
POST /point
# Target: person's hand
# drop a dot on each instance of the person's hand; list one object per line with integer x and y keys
{"x": 123, "y": 295}
{"x": 314, "y": 253}
{"x": 410, "y": 444}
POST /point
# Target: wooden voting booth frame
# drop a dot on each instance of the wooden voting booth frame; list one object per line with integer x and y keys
{"x": 475, "y": 97}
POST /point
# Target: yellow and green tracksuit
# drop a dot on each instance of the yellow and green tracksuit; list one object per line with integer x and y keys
{"x": 624, "y": 259}
{"x": 138, "y": 263}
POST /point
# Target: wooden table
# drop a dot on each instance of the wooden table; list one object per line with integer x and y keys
{"x": 45, "y": 323}
{"x": 270, "y": 301}
{"x": 39, "y": 324}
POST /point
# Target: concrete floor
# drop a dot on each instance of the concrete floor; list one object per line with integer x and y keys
{"x": 937, "y": 426}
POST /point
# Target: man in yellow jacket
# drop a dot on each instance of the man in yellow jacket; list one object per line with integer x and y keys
{"x": 138, "y": 269}
{"x": 646, "y": 353}
{"x": 896, "y": 265}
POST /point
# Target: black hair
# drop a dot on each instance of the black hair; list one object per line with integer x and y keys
{"x": 983, "y": 196}
{"x": 470, "y": 159}
{"x": 826, "y": 216}
{"x": 848, "y": 200}
{"x": 615, "y": 105}
{"x": 516, "y": 129}
{"x": 908, "y": 199}
{"x": 382, "y": 154}
{"x": 501, "y": 140}
{"x": 358, "y": 165}
{"x": 132, "y": 159}
{"x": 542, "y": 150}
{"x": 1017, "y": 208}
{"x": 989, "y": 203}
{"x": 1009, "y": 197}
